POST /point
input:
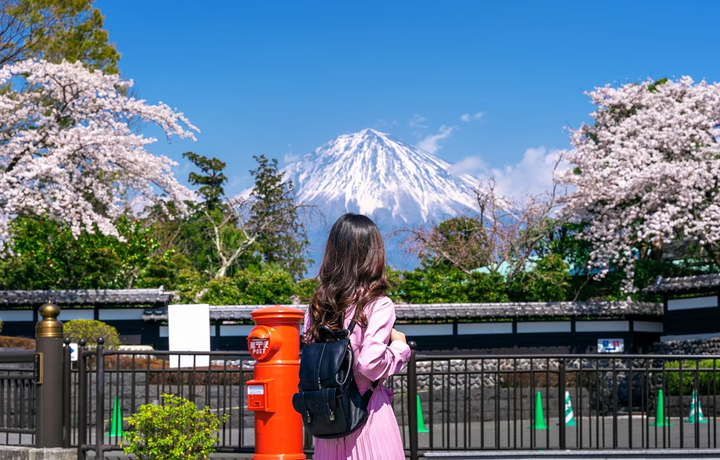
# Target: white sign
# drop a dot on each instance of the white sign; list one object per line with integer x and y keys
{"x": 188, "y": 331}
{"x": 611, "y": 346}
{"x": 258, "y": 346}
{"x": 255, "y": 390}
{"x": 73, "y": 351}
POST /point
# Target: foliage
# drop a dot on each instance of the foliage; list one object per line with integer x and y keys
{"x": 48, "y": 256}
{"x": 281, "y": 234}
{"x": 175, "y": 430}
{"x": 450, "y": 285}
{"x": 305, "y": 289}
{"x": 459, "y": 242}
{"x": 55, "y": 30}
{"x": 91, "y": 330}
{"x": 164, "y": 270}
{"x": 548, "y": 281}
{"x": 210, "y": 181}
{"x": 268, "y": 286}
{"x": 502, "y": 237}
{"x": 645, "y": 174}
{"x": 17, "y": 342}
{"x": 265, "y": 224}
{"x": 67, "y": 150}
{"x": 706, "y": 380}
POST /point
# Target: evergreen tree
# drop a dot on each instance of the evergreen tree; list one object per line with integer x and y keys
{"x": 283, "y": 240}
{"x": 210, "y": 181}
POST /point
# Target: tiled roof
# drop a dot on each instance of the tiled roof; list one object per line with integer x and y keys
{"x": 86, "y": 297}
{"x": 684, "y": 283}
{"x": 463, "y": 310}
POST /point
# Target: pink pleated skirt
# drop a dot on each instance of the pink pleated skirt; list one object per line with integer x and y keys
{"x": 378, "y": 439}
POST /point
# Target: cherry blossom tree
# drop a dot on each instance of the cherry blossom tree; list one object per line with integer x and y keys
{"x": 647, "y": 171}
{"x": 68, "y": 151}
{"x": 502, "y": 235}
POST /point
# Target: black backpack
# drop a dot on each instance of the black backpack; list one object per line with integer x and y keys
{"x": 328, "y": 397}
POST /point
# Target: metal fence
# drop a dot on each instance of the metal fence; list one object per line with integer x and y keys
{"x": 472, "y": 402}
{"x": 17, "y": 398}
{"x": 111, "y": 382}
{"x": 450, "y": 402}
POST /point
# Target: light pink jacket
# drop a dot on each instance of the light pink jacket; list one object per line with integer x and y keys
{"x": 374, "y": 358}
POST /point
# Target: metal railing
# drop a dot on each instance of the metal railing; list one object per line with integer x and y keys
{"x": 448, "y": 402}
{"x": 583, "y": 402}
{"x": 17, "y": 397}
{"x": 109, "y": 381}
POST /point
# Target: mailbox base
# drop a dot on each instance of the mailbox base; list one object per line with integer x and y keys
{"x": 278, "y": 457}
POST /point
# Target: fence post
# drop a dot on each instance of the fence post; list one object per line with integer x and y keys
{"x": 412, "y": 402}
{"x": 66, "y": 404}
{"x": 100, "y": 399}
{"x": 49, "y": 377}
{"x": 82, "y": 401}
{"x": 561, "y": 402}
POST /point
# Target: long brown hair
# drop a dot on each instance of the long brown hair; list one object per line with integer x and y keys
{"x": 352, "y": 272}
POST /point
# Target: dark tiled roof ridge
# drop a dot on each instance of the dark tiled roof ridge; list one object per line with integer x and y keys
{"x": 467, "y": 311}
{"x": 85, "y": 296}
{"x": 684, "y": 283}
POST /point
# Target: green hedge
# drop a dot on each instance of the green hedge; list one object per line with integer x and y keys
{"x": 91, "y": 330}
{"x": 707, "y": 380}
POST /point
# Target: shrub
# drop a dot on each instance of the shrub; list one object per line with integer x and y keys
{"x": 91, "y": 330}
{"x": 17, "y": 342}
{"x": 173, "y": 431}
{"x": 706, "y": 379}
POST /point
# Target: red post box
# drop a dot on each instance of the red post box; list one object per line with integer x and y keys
{"x": 275, "y": 345}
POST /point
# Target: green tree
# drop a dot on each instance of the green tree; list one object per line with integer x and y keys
{"x": 55, "y": 30}
{"x": 281, "y": 234}
{"x": 163, "y": 270}
{"x": 450, "y": 285}
{"x": 47, "y": 256}
{"x": 210, "y": 181}
{"x": 265, "y": 286}
{"x": 547, "y": 281}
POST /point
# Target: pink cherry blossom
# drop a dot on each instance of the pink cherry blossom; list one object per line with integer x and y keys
{"x": 648, "y": 171}
{"x": 68, "y": 149}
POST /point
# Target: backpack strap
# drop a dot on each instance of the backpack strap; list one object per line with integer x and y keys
{"x": 368, "y": 394}
{"x": 355, "y": 320}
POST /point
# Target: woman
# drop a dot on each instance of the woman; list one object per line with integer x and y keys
{"x": 352, "y": 276}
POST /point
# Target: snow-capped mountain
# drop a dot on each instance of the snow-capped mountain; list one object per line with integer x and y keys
{"x": 372, "y": 173}
{"x": 375, "y": 174}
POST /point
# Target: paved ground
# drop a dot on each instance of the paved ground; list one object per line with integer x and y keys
{"x": 627, "y": 438}
{"x": 590, "y": 433}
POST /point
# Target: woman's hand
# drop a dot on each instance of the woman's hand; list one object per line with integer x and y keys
{"x": 397, "y": 335}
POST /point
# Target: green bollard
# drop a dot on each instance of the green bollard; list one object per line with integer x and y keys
{"x": 116, "y": 421}
{"x": 421, "y": 421}
{"x": 539, "y": 415}
{"x": 660, "y": 419}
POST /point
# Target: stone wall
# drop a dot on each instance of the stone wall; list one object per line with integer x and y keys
{"x": 688, "y": 347}
{"x": 32, "y": 453}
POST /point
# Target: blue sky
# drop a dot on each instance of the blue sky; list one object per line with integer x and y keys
{"x": 281, "y": 78}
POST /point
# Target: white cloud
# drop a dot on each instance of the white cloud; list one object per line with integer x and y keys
{"x": 467, "y": 117}
{"x": 430, "y": 142}
{"x": 533, "y": 175}
{"x": 291, "y": 157}
{"x": 468, "y": 165}
{"x": 417, "y": 122}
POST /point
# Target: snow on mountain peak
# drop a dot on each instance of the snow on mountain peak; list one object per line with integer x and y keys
{"x": 373, "y": 173}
